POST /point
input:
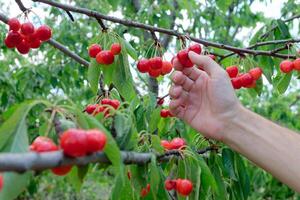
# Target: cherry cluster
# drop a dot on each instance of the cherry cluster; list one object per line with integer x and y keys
{"x": 247, "y": 80}
{"x": 164, "y": 113}
{"x": 287, "y": 66}
{"x": 176, "y": 143}
{"x": 183, "y": 55}
{"x": 25, "y": 37}
{"x": 104, "y": 106}
{"x": 1, "y": 182}
{"x": 182, "y": 186}
{"x": 145, "y": 190}
{"x": 154, "y": 66}
{"x": 104, "y": 57}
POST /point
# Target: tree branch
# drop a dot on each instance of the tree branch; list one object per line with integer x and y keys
{"x": 21, "y": 5}
{"x": 130, "y": 23}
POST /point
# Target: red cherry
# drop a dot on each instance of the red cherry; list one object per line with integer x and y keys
{"x": 170, "y": 114}
{"x": 212, "y": 56}
{"x": 44, "y": 33}
{"x": 154, "y": 73}
{"x": 144, "y": 192}
{"x": 236, "y": 83}
{"x": 115, "y": 48}
{"x": 253, "y": 85}
{"x": 166, "y": 144}
{"x": 62, "y": 170}
{"x": 166, "y": 68}
{"x": 14, "y": 38}
{"x": 14, "y": 24}
{"x": 35, "y": 44}
{"x": 105, "y": 57}
{"x": 184, "y": 186}
{"x": 195, "y": 48}
{"x": 129, "y": 175}
{"x": 27, "y": 28}
{"x": 99, "y": 109}
{"x": 143, "y": 65}
{"x": 115, "y": 103}
{"x": 160, "y": 101}
{"x": 43, "y": 144}
{"x": 1, "y": 182}
{"x": 286, "y": 66}
{"x": 170, "y": 184}
{"x": 183, "y": 58}
{"x": 148, "y": 187}
{"x": 246, "y": 79}
{"x": 177, "y": 143}
{"x": 296, "y": 64}
{"x": 74, "y": 142}
{"x": 96, "y": 140}
{"x": 164, "y": 113}
{"x": 255, "y": 73}
{"x": 155, "y": 63}
{"x": 23, "y": 47}
{"x": 90, "y": 108}
{"x": 94, "y": 49}
{"x": 232, "y": 71}
{"x": 8, "y": 43}
{"x": 105, "y": 101}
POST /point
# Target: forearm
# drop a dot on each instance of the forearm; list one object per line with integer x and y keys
{"x": 274, "y": 148}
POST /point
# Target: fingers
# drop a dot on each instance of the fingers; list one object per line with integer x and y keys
{"x": 180, "y": 79}
{"x": 209, "y": 65}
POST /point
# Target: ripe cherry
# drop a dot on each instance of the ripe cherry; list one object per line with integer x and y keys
{"x": 296, "y": 64}
{"x": 166, "y": 68}
{"x": 105, "y": 101}
{"x": 246, "y": 79}
{"x": 96, "y": 140}
{"x": 164, "y": 113}
{"x": 62, "y": 170}
{"x": 43, "y": 144}
{"x": 177, "y": 143}
{"x": 232, "y": 71}
{"x": 236, "y": 83}
{"x": 148, "y": 187}
{"x": 143, "y": 65}
{"x": 74, "y": 142}
{"x": 27, "y": 28}
{"x": 129, "y": 175}
{"x": 144, "y": 192}
{"x": 184, "y": 186}
{"x": 195, "y": 48}
{"x": 155, "y": 63}
{"x": 255, "y": 73}
{"x": 94, "y": 49}
{"x": 44, "y": 33}
{"x": 253, "y": 85}
{"x": 160, "y": 101}
{"x": 90, "y": 108}
{"x": 170, "y": 184}
{"x": 14, "y": 38}
{"x": 286, "y": 66}
{"x": 14, "y": 24}
{"x": 154, "y": 73}
{"x": 35, "y": 44}
{"x": 166, "y": 144}
{"x": 23, "y": 47}
{"x": 183, "y": 58}
{"x": 115, "y": 48}
{"x": 8, "y": 43}
{"x": 105, "y": 57}
{"x": 115, "y": 103}
{"x": 1, "y": 182}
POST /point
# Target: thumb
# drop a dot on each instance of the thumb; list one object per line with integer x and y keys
{"x": 208, "y": 64}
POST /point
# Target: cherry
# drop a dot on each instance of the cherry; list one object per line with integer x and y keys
{"x": 105, "y": 101}
{"x": 296, "y": 64}
{"x": 183, "y": 58}
{"x": 232, "y": 71}
{"x": 212, "y": 56}
{"x": 177, "y": 143}
{"x": 143, "y": 65}
{"x": 155, "y": 63}
{"x": 115, "y": 103}
{"x": 14, "y": 24}
{"x": 164, "y": 113}
{"x": 236, "y": 83}
{"x": 195, "y": 48}
{"x": 1, "y": 182}
{"x": 166, "y": 68}
{"x": 62, "y": 170}
{"x": 23, "y": 47}
{"x": 27, "y": 28}
{"x": 96, "y": 140}
{"x": 286, "y": 66}
{"x": 144, "y": 192}
{"x": 9, "y": 43}
{"x": 74, "y": 142}
{"x": 255, "y": 73}
{"x": 160, "y": 101}
{"x": 14, "y": 38}
{"x": 90, "y": 108}
{"x": 166, "y": 144}
{"x": 105, "y": 57}
{"x": 44, "y": 33}
{"x": 154, "y": 73}
{"x": 246, "y": 79}
{"x": 253, "y": 85}
{"x": 43, "y": 144}
{"x": 35, "y": 44}
{"x": 170, "y": 184}
{"x": 94, "y": 49}
{"x": 129, "y": 175}
{"x": 115, "y": 48}
{"x": 184, "y": 186}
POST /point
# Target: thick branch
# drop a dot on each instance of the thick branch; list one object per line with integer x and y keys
{"x": 130, "y": 23}
{"x": 21, "y": 162}
{"x": 21, "y": 5}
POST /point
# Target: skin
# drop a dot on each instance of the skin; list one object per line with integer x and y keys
{"x": 206, "y": 101}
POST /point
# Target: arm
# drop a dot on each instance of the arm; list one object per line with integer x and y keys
{"x": 207, "y": 101}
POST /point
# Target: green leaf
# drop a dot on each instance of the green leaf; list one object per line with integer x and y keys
{"x": 94, "y": 71}
{"x": 114, "y": 3}
{"x": 154, "y": 119}
{"x": 122, "y": 125}
{"x": 283, "y": 82}
{"x": 228, "y": 162}
{"x": 243, "y": 176}
{"x": 283, "y": 28}
{"x": 129, "y": 49}
{"x": 154, "y": 177}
